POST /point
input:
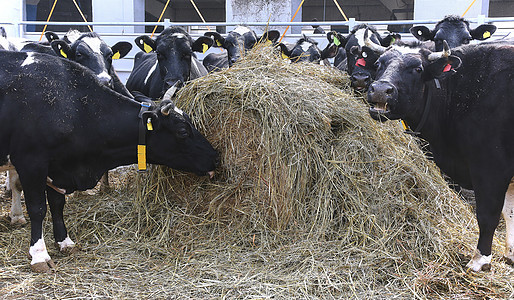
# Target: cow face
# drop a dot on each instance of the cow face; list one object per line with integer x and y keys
{"x": 401, "y": 75}
{"x": 364, "y": 69}
{"x": 239, "y": 40}
{"x": 305, "y": 50}
{"x": 174, "y": 49}
{"x": 175, "y": 142}
{"x": 92, "y": 52}
{"x": 454, "y": 30}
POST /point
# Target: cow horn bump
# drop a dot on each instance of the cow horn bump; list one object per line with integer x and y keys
{"x": 171, "y": 91}
{"x": 379, "y": 49}
{"x": 445, "y": 53}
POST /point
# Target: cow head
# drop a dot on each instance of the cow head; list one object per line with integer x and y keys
{"x": 174, "y": 49}
{"x": 239, "y": 40}
{"x": 92, "y": 52}
{"x": 401, "y": 75}
{"x": 306, "y": 50}
{"x": 454, "y": 30}
{"x": 174, "y": 141}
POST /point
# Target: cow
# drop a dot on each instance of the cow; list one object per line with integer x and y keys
{"x": 306, "y": 50}
{"x": 361, "y": 73}
{"x": 62, "y": 129}
{"x": 461, "y": 101}
{"x": 166, "y": 60}
{"x": 454, "y": 30}
{"x": 237, "y": 41}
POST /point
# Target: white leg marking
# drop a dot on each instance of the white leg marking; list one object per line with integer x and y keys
{"x": 508, "y": 216}
{"x": 16, "y": 209}
{"x": 480, "y": 262}
{"x": 66, "y": 244}
{"x": 38, "y": 252}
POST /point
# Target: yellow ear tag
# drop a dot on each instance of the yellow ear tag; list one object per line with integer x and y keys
{"x": 405, "y": 127}
{"x": 147, "y": 47}
{"x": 218, "y": 43}
{"x": 149, "y": 124}
{"x": 285, "y": 56}
{"x": 205, "y": 47}
{"x": 336, "y": 41}
{"x": 487, "y": 34}
{"x": 63, "y": 54}
{"x": 268, "y": 42}
{"x": 141, "y": 157}
{"x": 116, "y": 55}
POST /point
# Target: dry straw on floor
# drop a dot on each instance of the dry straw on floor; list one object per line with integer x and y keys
{"x": 313, "y": 199}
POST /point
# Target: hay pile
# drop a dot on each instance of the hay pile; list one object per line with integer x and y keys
{"x": 313, "y": 199}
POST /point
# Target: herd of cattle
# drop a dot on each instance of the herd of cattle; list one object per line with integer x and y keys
{"x": 66, "y": 118}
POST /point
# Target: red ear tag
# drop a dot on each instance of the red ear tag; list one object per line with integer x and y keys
{"x": 361, "y": 62}
{"x": 447, "y": 68}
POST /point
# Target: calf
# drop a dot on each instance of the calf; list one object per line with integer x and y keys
{"x": 466, "y": 123}
{"x": 454, "y": 30}
{"x": 236, "y": 42}
{"x": 306, "y": 50}
{"x": 166, "y": 60}
{"x": 57, "y": 121}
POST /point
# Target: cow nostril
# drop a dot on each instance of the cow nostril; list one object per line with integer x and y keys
{"x": 389, "y": 91}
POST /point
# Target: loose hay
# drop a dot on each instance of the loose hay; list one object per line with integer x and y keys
{"x": 313, "y": 199}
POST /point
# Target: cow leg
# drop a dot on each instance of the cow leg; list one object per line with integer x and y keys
{"x": 489, "y": 202}
{"x": 16, "y": 215}
{"x": 104, "y": 183}
{"x": 33, "y": 180}
{"x": 56, "y": 202}
{"x": 508, "y": 215}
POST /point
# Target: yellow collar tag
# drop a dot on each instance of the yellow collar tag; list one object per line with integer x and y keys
{"x": 141, "y": 157}
{"x": 116, "y": 55}
{"x": 63, "y": 54}
{"x": 486, "y": 35}
{"x": 147, "y": 47}
{"x": 205, "y": 47}
{"x": 284, "y": 56}
{"x": 149, "y": 124}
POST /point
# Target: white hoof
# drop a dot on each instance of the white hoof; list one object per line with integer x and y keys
{"x": 480, "y": 262}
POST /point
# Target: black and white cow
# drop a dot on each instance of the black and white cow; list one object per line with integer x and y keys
{"x": 454, "y": 30}
{"x": 306, "y": 50}
{"x": 166, "y": 60}
{"x": 361, "y": 73}
{"x": 466, "y": 116}
{"x": 62, "y": 130}
{"x": 237, "y": 41}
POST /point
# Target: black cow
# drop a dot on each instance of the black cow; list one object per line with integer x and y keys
{"x": 166, "y": 60}
{"x": 454, "y": 30}
{"x": 360, "y": 71}
{"x": 237, "y": 41}
{"x": 466, "y": 116}
{"x": 60, "y": 126}
{"x": 306, "y": 50}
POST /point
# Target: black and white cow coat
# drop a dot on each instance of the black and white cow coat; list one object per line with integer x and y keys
{"x": 306, "y": 50}
{"x": 60, "y": 126}
{"x": 166, "y": 60}
{"x": 468, "y": 124}
{"x": 237, "y": 41}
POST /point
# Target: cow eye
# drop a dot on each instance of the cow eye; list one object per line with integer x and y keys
{"x": 418, "y": 69}
{"x": 182, "y": 133}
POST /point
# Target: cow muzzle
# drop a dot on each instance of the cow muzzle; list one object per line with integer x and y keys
{"x": 360, "y": 81}
{"x": 380, "y": 95}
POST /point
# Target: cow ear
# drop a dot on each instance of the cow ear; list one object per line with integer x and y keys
{"x": 483, "y": 32}
{"x": 51, "y": 36}
{"x": 271, "y": 35}
{"x": 219, "y": 41}
{"x": 120, "y": 49}
{"x": 442, "y": 66}
{"x": 154, "y": 123}
{"x": 422, "y": 33}
{"x": 391, "y": 39}
{"x": 286, "y": 53}
{"x": 145, "y": 43}
{"x": 329, "y": 51}
{"x": 61, "y": 48}
{"x": 202, "y": 44}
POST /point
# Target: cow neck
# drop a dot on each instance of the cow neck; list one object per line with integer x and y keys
{"x": 431, "y": 88}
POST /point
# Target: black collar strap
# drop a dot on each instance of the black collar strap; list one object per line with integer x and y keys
{"x": 427, "y": 95}
{"x": 141, "y": 147}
